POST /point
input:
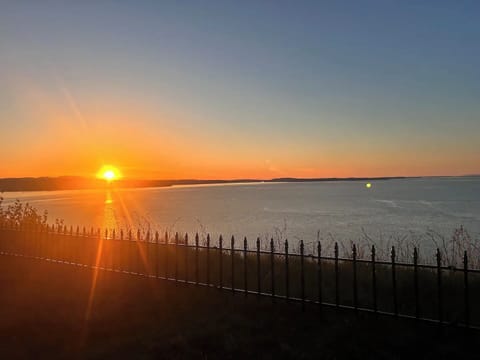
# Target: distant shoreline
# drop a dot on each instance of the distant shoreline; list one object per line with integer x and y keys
{"x": 83, "y": 183}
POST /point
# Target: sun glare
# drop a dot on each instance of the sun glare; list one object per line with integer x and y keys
{"x": 109, "y": 173}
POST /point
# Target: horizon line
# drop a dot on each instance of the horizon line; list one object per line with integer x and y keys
{"x": 235, "y": 179}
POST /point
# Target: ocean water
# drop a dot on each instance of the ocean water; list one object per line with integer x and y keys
{"x": 341, "y": 210}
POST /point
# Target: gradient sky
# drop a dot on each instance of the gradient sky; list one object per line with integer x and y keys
{"x": 245, "y": 89}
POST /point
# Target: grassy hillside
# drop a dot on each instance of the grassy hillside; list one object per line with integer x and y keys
{"x": 44, "y": 309}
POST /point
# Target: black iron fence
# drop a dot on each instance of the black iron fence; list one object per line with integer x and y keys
{"x": 423, "y": 292}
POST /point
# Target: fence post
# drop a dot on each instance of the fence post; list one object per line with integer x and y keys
{"x": 166, "y": 255}
{"x": 54, "y": 240}
{"x": 439, "y": 286}
{"x": 465, "y": 290}
{"x": 114, "y": 260}
{"x": 287, "y": 272}
{"x": 355, "y": 289}
{"x": 272, "y": 269}
{"x": 148, "y": 256}
{"x": 107, "y": 251}
{"x": 58, "y": 243}
{"x": 129, "y": 255}
{"x": 185, "y": 248}
{"x": 102, "y": 252}
{"x": 259, "y": 285}
{"x": 220, "y": 265}
{"x": 196, "y": 258}
{"x": 46, "y": 243}
{"x": 208, "y": 259}
{"x": 337, "y": 297}
{"x": 232, "y": 246}
{"x": 245, "y": 283}
{"x": 121, "y": 253}
{"x": 156, "y": 253}
{"x": 138, "y": 256}
{"x": 415, "y": 282}
{"x": 394, "y": 283}
{"x": 374, "y": 280}
{"x": 41, "y": 230}
{"x": 40, "y": 240}
{"x": 176, "y": 257}
{"x": 112, "y": 250}
{"x": 302, "y": 274}
{"x": 319, "y": 274}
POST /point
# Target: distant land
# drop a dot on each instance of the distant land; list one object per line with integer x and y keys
{"x": 83, "y": 183}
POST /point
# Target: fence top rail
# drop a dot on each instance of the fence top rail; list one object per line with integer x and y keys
{"x": 154, "y": 237}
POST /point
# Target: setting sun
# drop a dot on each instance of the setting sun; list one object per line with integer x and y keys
{"x": 109, "y": 173}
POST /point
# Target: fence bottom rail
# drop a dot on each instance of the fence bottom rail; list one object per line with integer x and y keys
{"x": 287, "y": 299}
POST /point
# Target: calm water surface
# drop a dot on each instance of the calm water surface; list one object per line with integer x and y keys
{"x": 342, "y": 210}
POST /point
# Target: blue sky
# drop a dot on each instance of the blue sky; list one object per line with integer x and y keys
{"x": 240, "y": 89}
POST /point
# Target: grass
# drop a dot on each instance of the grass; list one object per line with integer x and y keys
{"x": 43, "y": 307}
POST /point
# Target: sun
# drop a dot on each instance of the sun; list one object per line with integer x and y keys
{"x": 109, "y": 173}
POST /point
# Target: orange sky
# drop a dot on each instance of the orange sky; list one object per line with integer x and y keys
{"x": 65, "y": 138}
{"x": 163, "y": 92}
